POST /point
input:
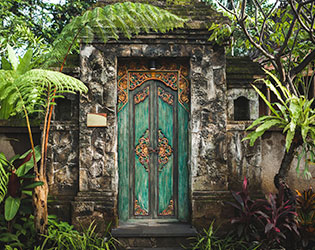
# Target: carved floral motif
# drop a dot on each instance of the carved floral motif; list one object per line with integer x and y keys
{"x": 169, "y": 210}
{"x": 142, "y": 150}
{"x": 165, "y": 150}
{"x": 137, "y": 78}
{"x": 133, "y": 74}
{"x": 138, "y": 210}
{"x": 140, "y": 97}
{"x": 166, "y": 97}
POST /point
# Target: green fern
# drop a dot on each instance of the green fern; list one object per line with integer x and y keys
{"x": 4, "y": 177}
{"x": 110, "y": 22}
{"x": 25, "y": 90}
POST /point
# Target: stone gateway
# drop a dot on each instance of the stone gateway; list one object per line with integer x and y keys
{"x": 174, "y": 111}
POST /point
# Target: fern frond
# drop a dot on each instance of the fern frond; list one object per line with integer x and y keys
{"x": 54, "y": 79}
{"x": 111, "y": 22}
{"x": 30, "y": 89}
{"x": 6, "y": 77}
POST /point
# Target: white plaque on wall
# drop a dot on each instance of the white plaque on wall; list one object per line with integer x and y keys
{"x": 96, "y": 120}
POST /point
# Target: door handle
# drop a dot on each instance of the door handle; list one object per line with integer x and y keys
{"x": 153, "y": 150}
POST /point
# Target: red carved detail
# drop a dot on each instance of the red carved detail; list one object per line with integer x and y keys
{"x": 166, "y": 97}
{"x": 141, "y": 96}
{"x": 165, "y": 150}
{"x": 142, "y": 150}
{"x": 169, "y": 210}
{"x": 138, "y": 209}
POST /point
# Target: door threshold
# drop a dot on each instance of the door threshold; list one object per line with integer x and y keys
{"x": 149, "y": 221}
{"x": 154, "y": 228}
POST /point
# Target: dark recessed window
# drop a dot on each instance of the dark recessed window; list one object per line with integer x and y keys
{"x": 241, "y": 109}
{"x": 63, "y": 110}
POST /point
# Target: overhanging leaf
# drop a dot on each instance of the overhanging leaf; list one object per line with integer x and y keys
{"x": 33, "y": 185}
{"x": 27, "y": 166}
{"x": 25, "y": 62}
{"x": 12, "y": 58}
{"x": 289, "y": 138}
{"x": 268, "y": 124}
{"x": 11, "y": 206}
{"x": 266, "y": 101}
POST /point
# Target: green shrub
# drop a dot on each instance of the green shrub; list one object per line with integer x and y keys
{"x": 61, "y": 236}
{"x": 305, "y": 209}
{"x": 209, "y": 240}
{"x": 18, "y": 233}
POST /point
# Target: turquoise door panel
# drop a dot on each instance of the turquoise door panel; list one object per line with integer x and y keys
{"x": 141, "y": 157}
{"x": 152, "y": 157}
{"x": 165, "y": 164}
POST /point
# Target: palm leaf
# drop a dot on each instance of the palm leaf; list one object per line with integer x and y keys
{"x": 4, "y": 177}
{"x": 267, "y": 102}
{"x": 111, "y": 22}
{"x": 284, "y": 90}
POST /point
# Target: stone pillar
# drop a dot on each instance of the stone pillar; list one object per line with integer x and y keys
{"x": 98, "y": 146}
{"x": 208, "y": 134}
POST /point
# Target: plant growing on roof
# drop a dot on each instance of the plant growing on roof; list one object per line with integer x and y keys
{"x": 103, "y": 23}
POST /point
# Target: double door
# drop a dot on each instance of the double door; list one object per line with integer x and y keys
{"x": 153, "y": 154}
{"x": 153, "y": 149}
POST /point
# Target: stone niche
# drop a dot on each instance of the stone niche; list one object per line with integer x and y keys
{"x": 242, "y": 109}
{"x": 242, "y": 104}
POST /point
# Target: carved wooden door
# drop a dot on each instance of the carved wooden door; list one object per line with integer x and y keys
{"x": 153, "y": 176}
{"x": 154, "y": 151}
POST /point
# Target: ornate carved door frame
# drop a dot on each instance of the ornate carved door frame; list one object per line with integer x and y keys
{"x": 135, "y": 84}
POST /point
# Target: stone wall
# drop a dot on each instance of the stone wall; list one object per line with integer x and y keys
{"x": 15, "y": 140}
{"x": 84, "y": 170}
{"x": 62, "y": 167}
{"x": 261, "y": 162}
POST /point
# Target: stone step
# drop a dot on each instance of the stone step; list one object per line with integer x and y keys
{"x": 154, "y": 235}
{"x": 157, "y": 248}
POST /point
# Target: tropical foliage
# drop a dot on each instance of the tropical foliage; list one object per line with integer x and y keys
{"x": 305, "y": 208}
{"x": 19, "y": 184}
{"x": 210, "y": 240}
{"x": 294, "y": 114}
{"x": 18, "y": 233}
{"x": 271, "y": 221}
{"x": 61, "y": 236}
{"x": 36, "y": 23}
{"x": 4, "y": 177}
{"x": 24, "y": 91}
{"x": 21, "y": 234}
{"x": 111, "y": 22}
{"x": 31, "y": 90}
{"x": 15, "y": 225}
{"x": 278, "y": 33}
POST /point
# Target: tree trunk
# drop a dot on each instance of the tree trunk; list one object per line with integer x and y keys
{"x": 280, "y": 177}
{"x": 40, "y": 206}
